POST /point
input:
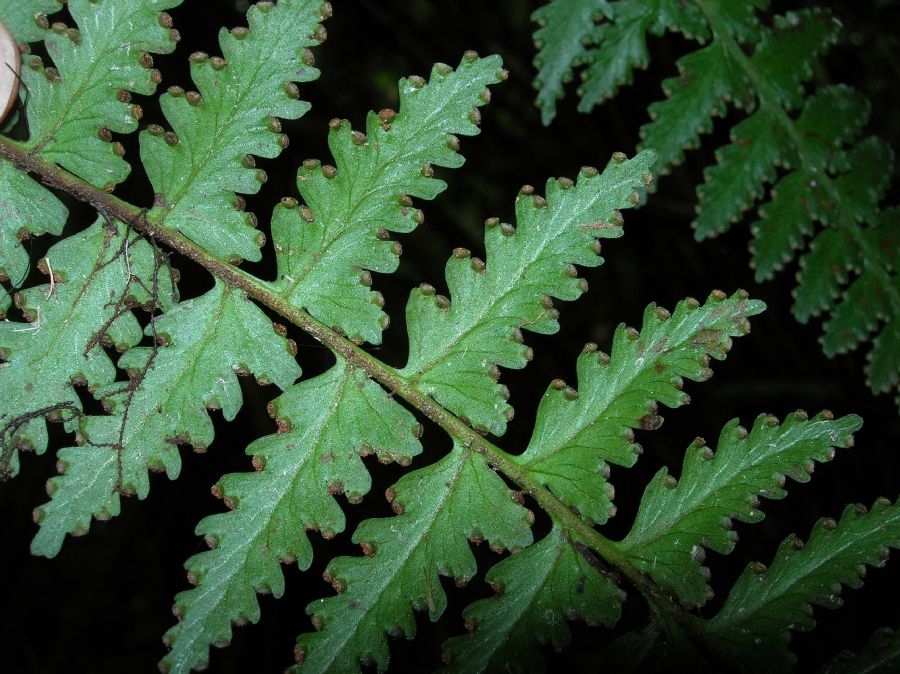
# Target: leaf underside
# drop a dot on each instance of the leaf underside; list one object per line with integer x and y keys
{"x": 180, "y": 364}
{"x": 327, "y": 249}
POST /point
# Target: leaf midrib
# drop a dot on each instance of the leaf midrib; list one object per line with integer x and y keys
{"x": 422, "y": 534}
{"x": 243, "y": 550}
{"x": 346, "y": 221}
{"x": 82, "y": 85}
{"x": 479, "y": 317}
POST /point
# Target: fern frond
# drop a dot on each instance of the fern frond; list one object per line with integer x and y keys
{"x": 29, "y": 209}
{"x": 880, "y": 654}
{"x": 765, "y": 604}
{"x": 202, "y": 345}
{"x": 565, "y": 27}
{"x": 707, "y": 80}
{"x": 326, "y": 251}
{"x": 75, "y": 105}
{"x": 299, "y": 471}
{"x": 820, "y": 170}
{"x": 538, "y": 590}
{"x": 186, "y": 361}
{"x": 739, "y": 179}
{"x": 615, "y": 47}
{"x": 677, "y": 519}
{"x": 440, "y": 509}
{"x": 456, "y": 346}
{"x": 197, "y": 168}
{"x": 578, "y": 431}
{"x": 96, "y": 275}
{"x": 19, "y": 17}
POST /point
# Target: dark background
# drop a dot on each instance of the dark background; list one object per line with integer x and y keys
{"x": 104, "y": 602}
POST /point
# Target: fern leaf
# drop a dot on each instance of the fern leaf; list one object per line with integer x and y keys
{"x": 206, "y": 342}
{"x": 880, "y": 654}
{"x": 738, "y": 18}
{"x": 707, "y": 79}
{"x": 784, "y": 58}
{"x": 824, "y": 269}
{"x": 765, "y": 604}
{"x": 785, "y": 222}
{"x": 859, "y": 304}
{"x": 621, "y": 47}
{"x": 29, "y": 210}
{"x": 538, "y": 590}
{"x": 865, "y": 176}
{"x": 234, "y": 115}
{"x": 577, "y": 432}
{"x": 763, "y": 68}
{"x": 19, "y": 17}
{"x": 565, "y": 26}
{"x": 455, "y": 347}
{"x": 73, "y": 107}
{"x": 785, "y": 54}
{"x": 96, "y": 275}
{"x": 857, "y": 315}
{"x": 738, "y": 179}
{"x": 833, "y": 116}
{"x": 678, "y": 518}
{"x": 325, "y": 250}
{"x": 299, "y": 472}
{"x": 884, "y": 358}
{"x": 442, "y": 507}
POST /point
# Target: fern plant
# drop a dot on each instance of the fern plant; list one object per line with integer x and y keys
{"x": 796, "y": 155}
{"x": 111, "y": 286}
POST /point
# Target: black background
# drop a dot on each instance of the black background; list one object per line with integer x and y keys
{"x": 104, "y": 602}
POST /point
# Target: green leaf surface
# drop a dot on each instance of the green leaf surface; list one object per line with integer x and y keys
{"x": 750, "y": 631}
{"x": 443, "y": 506}
{"x": 865, "y": 176}
{"x": 73, "y": 107}
{"x": 18, "y": 16}
{"x": 97, "y": 274}
{"x": 325, "y": 251}
{"x": 207, "y": 342}
{"x": 578, "y": 431}
{"x": 232, "y": 117}
{"x": 622, "y": 47}
{"x": 539, "y": 590}
{"x": 299, "y": 471}
{"x": 28, "y": 209}
{"x": 609, "y": 51}
{"x": 884, "y": 359}
{"x": 831, "y": 177}
{"x": 707, "y": 80}
{"x": 832, "y": 116}
{"x": 824, "y": 270}
{"x": 785, "y": 55}
{"x": 738, "y": 180}
{"x": 857, "y": 315}
{"x": 881, "y": 654}
{"x": 677, "y": 519}
{"x": 565, "y": 26}
{"x": 862, "y": 306}
{"x": 784, "y": 223}
{"x": 456, "y": 346}
{"x": 740, "y": 19}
